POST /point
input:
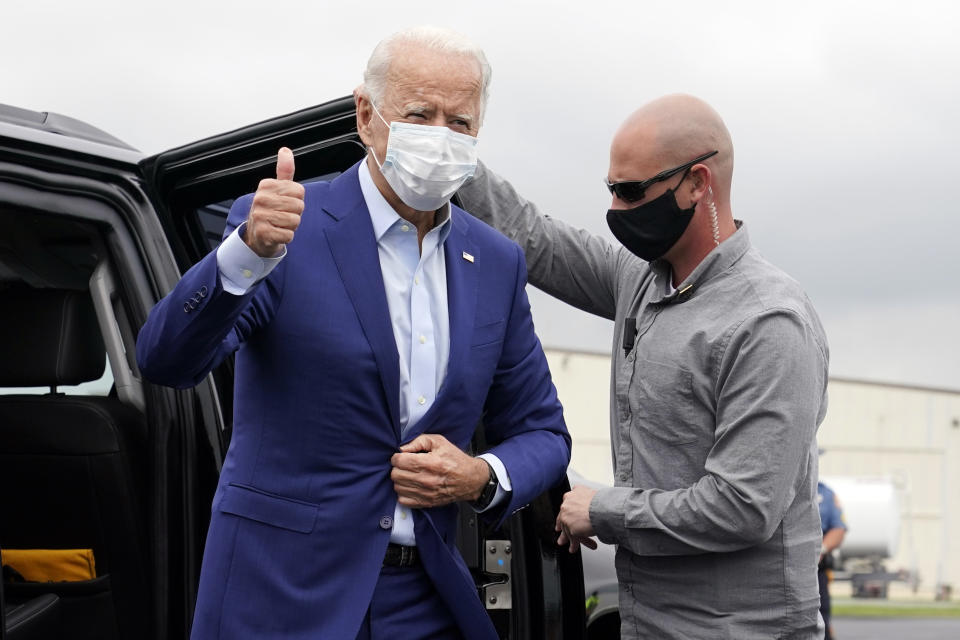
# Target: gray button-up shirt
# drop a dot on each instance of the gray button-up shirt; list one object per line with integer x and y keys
{"x": 713, "y": 416}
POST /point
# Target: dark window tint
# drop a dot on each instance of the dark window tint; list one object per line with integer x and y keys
{"x": 213, "y": 217}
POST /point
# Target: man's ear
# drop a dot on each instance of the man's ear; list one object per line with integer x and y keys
{"x": 699, "y": 181}
{"x": 364, "y": 115}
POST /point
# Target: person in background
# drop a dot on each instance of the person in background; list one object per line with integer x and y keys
{"x": 834, "y": 529}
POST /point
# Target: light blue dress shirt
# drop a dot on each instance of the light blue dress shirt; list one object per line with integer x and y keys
{"x": 415, "y": 280}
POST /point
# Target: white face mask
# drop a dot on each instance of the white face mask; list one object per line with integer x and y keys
{"x": 425, "y": 165}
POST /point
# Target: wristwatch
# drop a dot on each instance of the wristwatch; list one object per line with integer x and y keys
{"x": 489, "y": 491}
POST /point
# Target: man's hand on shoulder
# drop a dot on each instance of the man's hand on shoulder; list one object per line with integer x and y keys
{"x": 573, "y": 521}
{"x": 430, "y": 471}
{"x": 275, "y": 212}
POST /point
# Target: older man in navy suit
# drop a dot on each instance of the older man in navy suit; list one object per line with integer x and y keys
{"x": 374, "y": 325}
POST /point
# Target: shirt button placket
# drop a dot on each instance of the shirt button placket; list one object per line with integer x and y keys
{"x": 625, "y": 419}
{"x": 422, "y": 361}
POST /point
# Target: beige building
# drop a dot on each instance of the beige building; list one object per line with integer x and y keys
{"x": 909, "y": 436}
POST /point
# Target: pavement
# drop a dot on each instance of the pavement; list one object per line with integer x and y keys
{"x": 896, "y": 628}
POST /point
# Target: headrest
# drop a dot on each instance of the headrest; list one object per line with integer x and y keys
{"x": 49, "y": 337}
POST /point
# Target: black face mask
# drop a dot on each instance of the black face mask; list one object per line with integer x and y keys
{"x": 650, "y": 229}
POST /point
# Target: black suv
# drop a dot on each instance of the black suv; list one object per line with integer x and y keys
{"x": 92, "y": 456}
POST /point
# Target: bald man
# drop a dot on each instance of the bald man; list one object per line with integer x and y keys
{"x": 719, "y": 378}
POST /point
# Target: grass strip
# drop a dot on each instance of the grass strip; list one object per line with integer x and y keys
{"x": 896, "y": 610}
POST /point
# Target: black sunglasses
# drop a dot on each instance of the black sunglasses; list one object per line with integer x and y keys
{"x": 633, "y": 190}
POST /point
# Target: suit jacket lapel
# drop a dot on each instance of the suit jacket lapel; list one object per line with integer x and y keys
{"x": 354, "y": 248}
{"x": 462, "y": 281}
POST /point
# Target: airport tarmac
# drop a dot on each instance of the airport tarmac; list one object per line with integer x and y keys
{"x": 896, "y": 628}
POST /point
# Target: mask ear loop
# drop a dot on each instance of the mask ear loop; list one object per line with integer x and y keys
{"x": 714, "y": 222}
{"x": 369, "y": 148}
{"x": 374, "y": 154}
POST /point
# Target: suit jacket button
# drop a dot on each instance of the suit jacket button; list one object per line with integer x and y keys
{"x": 386, "y": 522}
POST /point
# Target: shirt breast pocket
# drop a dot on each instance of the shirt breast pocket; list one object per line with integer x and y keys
{"x": 663, "y": 403}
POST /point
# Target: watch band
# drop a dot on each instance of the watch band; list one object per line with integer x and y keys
{"x": 489, "y": 490}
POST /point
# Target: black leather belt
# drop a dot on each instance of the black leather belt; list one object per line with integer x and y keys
{"x": 400, "y": 556}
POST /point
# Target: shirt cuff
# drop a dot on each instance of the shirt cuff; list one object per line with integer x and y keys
{"x": 607, "y": 511}
{"x": 503, "y": 481}
{"x": 239, "y": 265}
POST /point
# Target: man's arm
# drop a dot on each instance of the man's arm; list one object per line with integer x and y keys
{"x": 219, "y": 302}
{"x": 772, "y": 379}
{"x": 571, "y": 264}
{"x": 835, "y": 528}
{"x": 832, "y": 539}
{"x": 188, "y": 334}
{"x": 523, "y": 417}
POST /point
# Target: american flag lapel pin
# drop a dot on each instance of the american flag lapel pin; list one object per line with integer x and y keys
{"x": 467, "y": 257}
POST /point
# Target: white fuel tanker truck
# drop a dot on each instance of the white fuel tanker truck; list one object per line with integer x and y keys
{"x": 871, "y": 509}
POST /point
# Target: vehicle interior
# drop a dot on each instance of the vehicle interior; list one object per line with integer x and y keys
{"x": 107, "y": 478}
{"x": 73, "y": 454}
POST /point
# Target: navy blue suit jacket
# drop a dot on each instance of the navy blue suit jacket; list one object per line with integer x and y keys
{"x": 295, "y": 542}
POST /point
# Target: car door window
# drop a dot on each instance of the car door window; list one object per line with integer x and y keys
{"x": 101, "y": 387}
{"x": 212, "y": 218}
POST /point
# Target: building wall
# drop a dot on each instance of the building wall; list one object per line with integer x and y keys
{"x": 583, "y": 384}
{"x": 910, "y": 435}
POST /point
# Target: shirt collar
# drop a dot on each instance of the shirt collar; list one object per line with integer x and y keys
{"x": 717, "y": 261}
{"x": 385, "y": 216}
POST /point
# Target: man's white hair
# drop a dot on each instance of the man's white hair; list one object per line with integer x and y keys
{"x": 439, "y": 39}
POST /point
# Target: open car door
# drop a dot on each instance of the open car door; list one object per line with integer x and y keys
{"x": 531, "y": 588}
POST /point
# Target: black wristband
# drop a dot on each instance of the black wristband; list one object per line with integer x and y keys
{"x": 489, "y": 491}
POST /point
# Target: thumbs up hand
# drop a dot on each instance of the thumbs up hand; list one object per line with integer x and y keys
{"x": 275, "y": 212}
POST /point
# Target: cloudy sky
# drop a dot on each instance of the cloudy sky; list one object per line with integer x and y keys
{"x": 844, "y": 116}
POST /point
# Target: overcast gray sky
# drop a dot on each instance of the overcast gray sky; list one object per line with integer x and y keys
{"x": 844, "y": 116}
